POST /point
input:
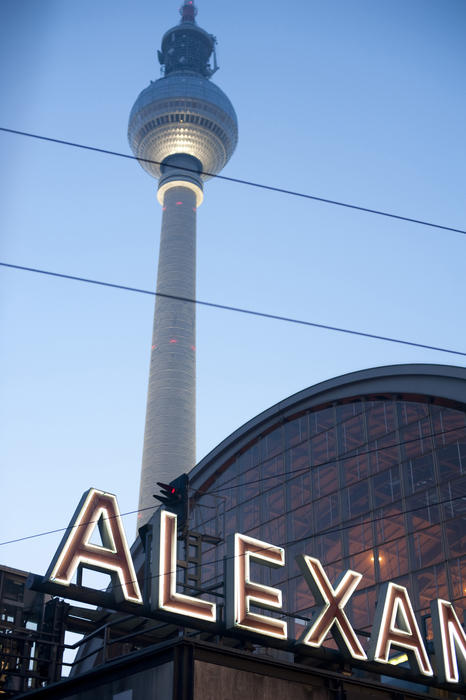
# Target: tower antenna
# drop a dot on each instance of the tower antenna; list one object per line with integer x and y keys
{"x": 188, "y": 11}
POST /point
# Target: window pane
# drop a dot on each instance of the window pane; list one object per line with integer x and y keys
{"x": 393, "y": 559}
{"x": 324, "y": 480}
{"x": 352, "y": 434}
{"x": 273, "y": 503}
{"x": 427, "y": 547}
{"x": 299, "y": 491}
{"x": 330, "y": 546}
{"x": 430, "y": 584}
{"x": 363, "y": 563}
{"x": 269, "y": 470}
{"x": 326, "y": 512}
{"x": 301, "y": 522}
{"x": 356, "y": 500}
{"x": 386, "y": 487}
{"x": 323, "y": 447}
{"x": 419, "y": 473}
{"x": 381, "y": 418}
{"x": 272, "y": 443}
{"x": 354, "y": 469}
{"x": 456, "y": 536}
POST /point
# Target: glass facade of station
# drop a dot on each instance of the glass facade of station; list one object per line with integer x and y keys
{"x": 374, "y": 483}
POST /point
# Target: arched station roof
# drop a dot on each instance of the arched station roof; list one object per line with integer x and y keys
{"x": 445, "y": 384}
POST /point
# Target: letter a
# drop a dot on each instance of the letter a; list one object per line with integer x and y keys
{"x": 395, "y": 624}
{"x": 114, "y": 558}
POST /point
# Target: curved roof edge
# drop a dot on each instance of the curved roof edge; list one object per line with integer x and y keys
{"x": 443, "y": 381}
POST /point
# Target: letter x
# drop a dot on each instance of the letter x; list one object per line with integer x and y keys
{"x": 332, "y": 617}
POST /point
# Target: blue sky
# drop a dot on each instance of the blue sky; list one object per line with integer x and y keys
{"x": 354, "y": 100}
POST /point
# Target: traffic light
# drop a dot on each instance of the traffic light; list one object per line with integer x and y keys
{"x": 175, "y": 497}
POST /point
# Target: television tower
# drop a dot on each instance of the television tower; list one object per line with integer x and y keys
{"x": 183, "y": 128}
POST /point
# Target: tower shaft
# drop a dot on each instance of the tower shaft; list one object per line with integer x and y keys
{"x": 169, "y": 437}
{"x": 183, "y": 129}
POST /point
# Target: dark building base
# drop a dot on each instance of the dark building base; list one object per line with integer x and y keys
{"x": 193, "y": 670}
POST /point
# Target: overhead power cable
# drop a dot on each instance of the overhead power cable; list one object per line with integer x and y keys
{"x": 302, "y": 471}
{"x": 289, "y": 543}
{"x": 239, "y": 181}
{"x": 352, "y": 453}
{"x": 339, "y": 458}
{"x": 285, "y": 474}
{"x": 237, "y": 309}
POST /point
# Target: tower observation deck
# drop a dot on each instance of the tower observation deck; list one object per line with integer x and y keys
{"x": 183, "y": 128}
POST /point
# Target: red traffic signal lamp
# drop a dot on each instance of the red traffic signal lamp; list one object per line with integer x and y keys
{"x": 168, "y": 494}
{"x": 175, "y": 497}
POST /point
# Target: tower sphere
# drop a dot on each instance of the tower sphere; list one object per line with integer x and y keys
{"x": 184, "y": 112}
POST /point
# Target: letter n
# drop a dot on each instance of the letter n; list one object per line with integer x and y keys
{"x": 449, "y": 642}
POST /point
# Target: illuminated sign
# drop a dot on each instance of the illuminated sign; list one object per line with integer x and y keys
{"x": 395, "y": 626}
{"x": 97, "y": 509}
{"x": 241, "y": 591}
{"x": 449, "y": 641}
{"x": 332, "y": 617}
{"x": 164, "y": 575}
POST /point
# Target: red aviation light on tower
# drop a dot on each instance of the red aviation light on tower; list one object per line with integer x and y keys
{"x": 188, "y": 11}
